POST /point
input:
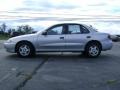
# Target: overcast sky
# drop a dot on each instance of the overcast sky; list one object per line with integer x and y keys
{"x": 103, "y": 14}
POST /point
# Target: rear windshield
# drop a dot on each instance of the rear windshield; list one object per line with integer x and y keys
{"x": 91, "y": 27}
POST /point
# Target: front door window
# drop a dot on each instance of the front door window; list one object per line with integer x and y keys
{"x": 55, "y": 30}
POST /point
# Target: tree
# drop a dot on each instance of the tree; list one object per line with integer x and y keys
{"x": 24, "y": 29}
{"x": 19, "y": 30}
{"x": 3, "y": 27}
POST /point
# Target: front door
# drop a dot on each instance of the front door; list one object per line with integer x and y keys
{"x": 54, "y": 40}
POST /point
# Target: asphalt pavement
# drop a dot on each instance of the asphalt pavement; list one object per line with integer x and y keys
{"x": 60, "y": 72}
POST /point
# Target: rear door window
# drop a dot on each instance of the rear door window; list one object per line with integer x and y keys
{"x": 74, "y": 29}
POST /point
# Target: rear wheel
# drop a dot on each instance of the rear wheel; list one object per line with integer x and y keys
{"x": 25, "y": 49}
{"x": 93, "y": 50}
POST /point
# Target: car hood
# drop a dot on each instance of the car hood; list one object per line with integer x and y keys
{"x": 28, "y": 37}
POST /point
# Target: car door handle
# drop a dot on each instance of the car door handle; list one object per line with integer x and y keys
{"x": 88, "y": 37}
{"x": 61, "y": 37}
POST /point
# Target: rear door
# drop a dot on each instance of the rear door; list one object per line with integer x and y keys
{"x": 76, "y": 37}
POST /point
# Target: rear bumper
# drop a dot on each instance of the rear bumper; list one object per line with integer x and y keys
{"x": 10, "y": 47}
{"x": 107, "y": 45}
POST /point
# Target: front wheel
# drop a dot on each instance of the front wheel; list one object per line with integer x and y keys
{"x": 25, "y": 49}
{"x": 93, "y": 50}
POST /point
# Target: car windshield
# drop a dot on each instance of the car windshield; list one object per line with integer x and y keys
{"x": 41, "y": 31}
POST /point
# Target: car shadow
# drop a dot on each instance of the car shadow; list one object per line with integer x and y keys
{"x": 15, "y": 57}
{"x": 59, "y": 57}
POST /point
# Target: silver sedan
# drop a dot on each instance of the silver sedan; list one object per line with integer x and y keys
{"x": 67, "y": 37}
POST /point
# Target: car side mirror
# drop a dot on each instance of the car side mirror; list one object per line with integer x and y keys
{"x": 44, "y": 33}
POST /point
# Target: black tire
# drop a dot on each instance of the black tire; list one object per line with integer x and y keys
{"x": 83, "y": 53}
{"x": 90, "y": 52}
{"x": 31, "y": 51}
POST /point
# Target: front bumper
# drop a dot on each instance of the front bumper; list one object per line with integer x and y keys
{"x": 10, "y": 47}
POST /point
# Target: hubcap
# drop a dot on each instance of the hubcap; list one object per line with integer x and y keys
{"x": 24, "y": 50}
{"x": 94, "y": 50}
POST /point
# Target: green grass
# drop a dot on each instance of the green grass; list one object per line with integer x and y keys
{"x": 4, "y": 37}
{"x": 111, "y": 81}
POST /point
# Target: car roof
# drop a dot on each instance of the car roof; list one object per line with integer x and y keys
{"x": 68, "y": 23}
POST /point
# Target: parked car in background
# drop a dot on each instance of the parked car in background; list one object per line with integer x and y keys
{"x": 14, "y": 34}
{"x": 67, "y": 37}
{"x": 118, "y": 37}
{"x": 114, "y": 38}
